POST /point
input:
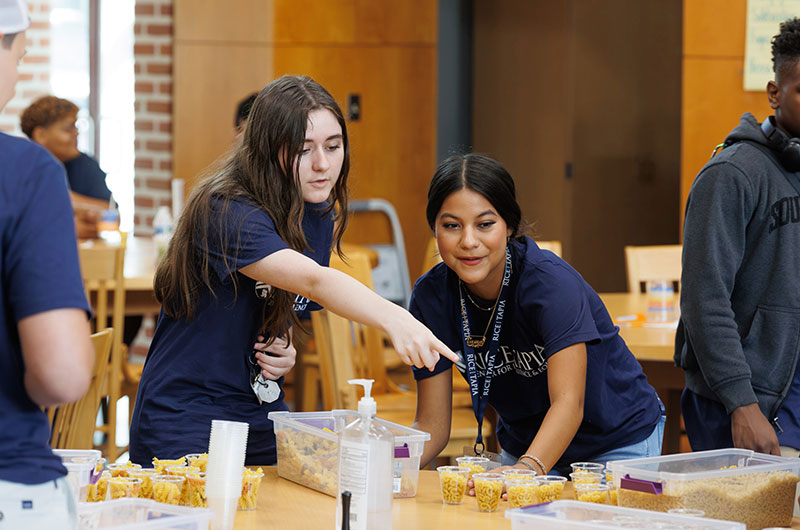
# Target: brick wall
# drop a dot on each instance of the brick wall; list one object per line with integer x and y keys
{"x": 153, "y": 108}
{"x": 34, "y": 71}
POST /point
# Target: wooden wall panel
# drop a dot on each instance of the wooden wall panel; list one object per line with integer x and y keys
{"x": 383, "y": 50}
{"x": 520, "y": 104}
{"x": 713, "y": 94}
{"x": 244, "y": 21}
{"x": 714, "y": 27}
{"x": 209, "y": 83}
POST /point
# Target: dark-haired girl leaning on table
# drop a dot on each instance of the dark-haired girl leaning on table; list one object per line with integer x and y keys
{"x": 534, "y": 340}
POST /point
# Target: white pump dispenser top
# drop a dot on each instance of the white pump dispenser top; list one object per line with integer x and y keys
{"x": 366, "y": 405}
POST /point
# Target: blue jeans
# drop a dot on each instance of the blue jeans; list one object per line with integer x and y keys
{"x": 650, "y": 446}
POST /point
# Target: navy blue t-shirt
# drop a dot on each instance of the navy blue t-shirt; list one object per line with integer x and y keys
{"x": 86, "y": 177}
{"x": 39, "y": 271}
{"x": 198, "y": 370}
{"x": 550, "y": 307}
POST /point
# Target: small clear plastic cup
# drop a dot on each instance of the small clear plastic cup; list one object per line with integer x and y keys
{"x": 146, "y": 489}
{"x": 181, "y": 471}
{"x": 97, "y": 492}
{"x": 514, "y": 473}
{"x": 251, "y": 480}
{"x": 596, "y": 493}
{"x": 198, "y": 460}
{"x": 167, "y": 488}
{"x": 123, "y": 470}
{"x": 550, "y": 487}
{"x": 488, "y": 489}
{"x": 453, "y": 481}
{"x": 476, "y": 464}
{"x": 521, "y": 492}
{"x": 197, "y": 489}
{"x": 584, "y": 477}
{"x": 593, "y": 467}
{"x": 123, "y": 487}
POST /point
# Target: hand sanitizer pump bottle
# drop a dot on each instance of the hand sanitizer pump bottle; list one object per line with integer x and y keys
{"x": 366, "y": 452}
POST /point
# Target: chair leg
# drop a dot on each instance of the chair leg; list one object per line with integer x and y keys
{"x": 311, "y": 378}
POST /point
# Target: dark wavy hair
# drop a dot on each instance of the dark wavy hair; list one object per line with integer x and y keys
{"x": 786, "y": 47}
{"x": 44, "y": 112}
{"x": 483, "y": 175}
{"x": 263, "y": 171}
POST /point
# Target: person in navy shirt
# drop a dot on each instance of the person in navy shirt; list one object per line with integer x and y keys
{"x": 564, "y": 384}
{"x": 248, "y": 255}
{"x": 51, "y": 122}
{"x": 46, "y": 355}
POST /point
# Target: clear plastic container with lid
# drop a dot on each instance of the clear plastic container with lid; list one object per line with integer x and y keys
{"x": 80, "y": 464}
{"x": 308, "y": 449}
{"x": 733, "y": 484}
{"x": 141, "y": 513}
{"x": 569, "y": 515}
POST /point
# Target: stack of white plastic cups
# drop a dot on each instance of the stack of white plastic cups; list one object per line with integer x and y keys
{"x": 227, "y": 446}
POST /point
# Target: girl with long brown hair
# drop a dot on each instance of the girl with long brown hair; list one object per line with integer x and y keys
{"x": 249, "y": 254}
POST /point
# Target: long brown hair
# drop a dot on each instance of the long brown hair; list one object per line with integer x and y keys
{"x": 261, "y": 171}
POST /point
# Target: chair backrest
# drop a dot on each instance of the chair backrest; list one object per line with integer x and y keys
{"x": 367, "y": 342}
{"x": 72, "y": 425}
{"x": 432, "y": 256}
{"x": 654, "y": 262}
{"x": 335, "y": 338}
{"x": 102, "y": 267}
{"x": 553, "y": 246}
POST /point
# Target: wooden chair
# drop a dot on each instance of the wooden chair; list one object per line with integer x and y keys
{"x": 553, "y": 246}
{"x": 102, "y": 269}
{"x": 73, "y": 424}
{"x": 655, "y": 262}
{"x": 337, "y": 340}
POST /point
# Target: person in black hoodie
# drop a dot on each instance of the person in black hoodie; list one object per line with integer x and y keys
{"x": 738, "y": 338}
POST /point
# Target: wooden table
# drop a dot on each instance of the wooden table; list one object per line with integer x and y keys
{"x": 653, "y": 347}
{"x": 140, "y": 267}
{"x": 284, "y": 504}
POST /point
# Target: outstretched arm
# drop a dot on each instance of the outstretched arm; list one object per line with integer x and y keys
{"x": 296, "y": 273}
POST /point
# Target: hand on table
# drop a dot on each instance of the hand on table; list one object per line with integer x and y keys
{"x": 750, "y": 429}
{"x": 275, "y": 360}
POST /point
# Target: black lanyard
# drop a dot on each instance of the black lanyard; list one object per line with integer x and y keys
{"x": 479, "y": 402}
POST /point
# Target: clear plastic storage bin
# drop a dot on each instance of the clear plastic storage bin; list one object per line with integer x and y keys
{"x": 141, "y": 514}
{"x": 566, "y": 515}
{"x": 732, "y": 484}
{"x": 80, "y": 464}
{"x": 308, "y": 449}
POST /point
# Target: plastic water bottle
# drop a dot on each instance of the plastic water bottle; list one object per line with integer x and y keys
{"x": 366, "y": 452}
{"x": 162, "y": 230}
{"x": 660, "y": 301}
